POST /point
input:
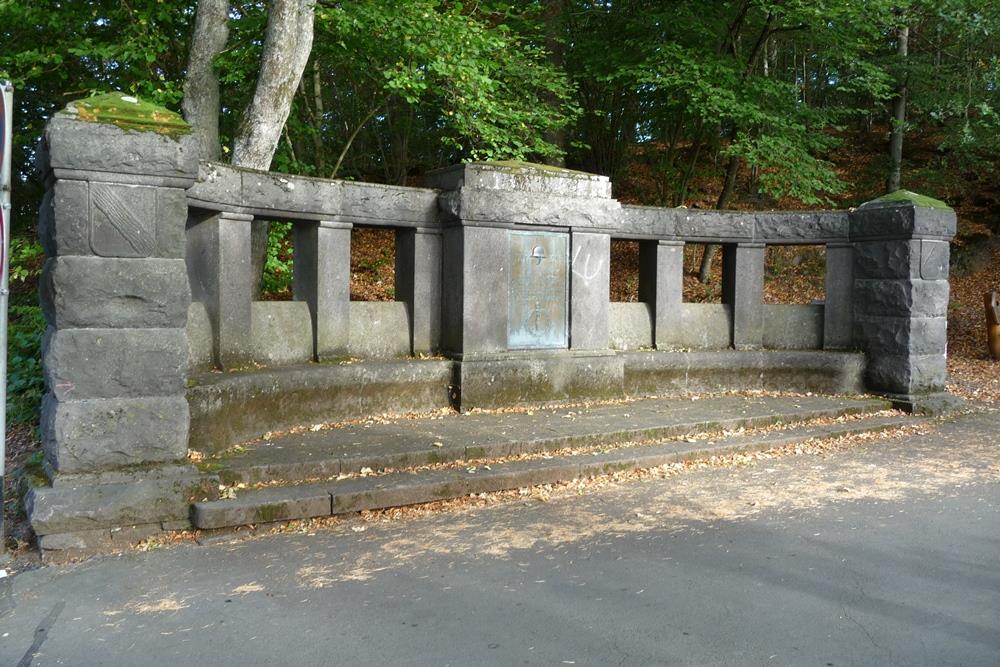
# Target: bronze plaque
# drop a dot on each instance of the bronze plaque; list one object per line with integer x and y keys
{"x": 538, "y": 298}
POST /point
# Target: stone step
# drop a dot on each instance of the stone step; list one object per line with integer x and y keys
{"x": 411, "y": 487}
{"x": 403, "y": 444}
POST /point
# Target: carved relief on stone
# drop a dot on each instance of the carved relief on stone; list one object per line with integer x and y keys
{"x": 122, "y": 220}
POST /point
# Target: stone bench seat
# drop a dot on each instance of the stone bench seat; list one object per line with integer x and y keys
{"x": 696, "y": 371}
{"x": 234, "y": 407}
{"x": 230, "y": 408}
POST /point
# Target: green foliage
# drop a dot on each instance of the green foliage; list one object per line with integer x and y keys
{"x": 699, "y": 81}
{"x": 24, "y": 363}
{"x": 406, "y": 86}
{"x": 56, "y": 51}
{"x": 278, "y": 266}
{"x": 25, "y": 259}
{"x": 493, "y": 93}
{"x": 787, "y": 165}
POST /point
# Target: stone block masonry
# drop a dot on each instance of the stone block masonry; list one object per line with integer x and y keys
{"x": 900, "y": 277}
{"x": 115, "y": 294}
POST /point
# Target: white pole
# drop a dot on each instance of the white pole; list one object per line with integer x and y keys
{"x": 6, "y": 134}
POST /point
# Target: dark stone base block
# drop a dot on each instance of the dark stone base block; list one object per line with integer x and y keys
{"x": 81, "y": 514}
{"x": 929, "y": 405}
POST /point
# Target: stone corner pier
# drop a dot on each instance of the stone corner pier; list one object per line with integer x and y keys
{"x": 157, "y": 348}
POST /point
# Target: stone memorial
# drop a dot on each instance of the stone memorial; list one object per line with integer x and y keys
{"x": 158, "y": 354}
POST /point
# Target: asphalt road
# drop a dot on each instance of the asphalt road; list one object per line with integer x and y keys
{"x": 883, "y": 554}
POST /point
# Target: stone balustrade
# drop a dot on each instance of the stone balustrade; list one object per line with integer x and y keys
{"x": 502, "y": 281}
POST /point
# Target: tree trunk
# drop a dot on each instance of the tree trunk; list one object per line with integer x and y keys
{"x": 318, "y": 113}
{"x": 898, "y": 115}
{"x": 733, "y": 167}
{"x": 287, "y": 44}
{"x": 201, "y": 84}
{"x": 732, "y": 171}
{"x": 554, "y": 26}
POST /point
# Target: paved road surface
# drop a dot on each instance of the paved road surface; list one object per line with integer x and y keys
{"x": 884, "y": 554}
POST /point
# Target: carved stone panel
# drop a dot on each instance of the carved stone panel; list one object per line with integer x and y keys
{"x": 123, "y": 220}
{"x": 538, "y": 297}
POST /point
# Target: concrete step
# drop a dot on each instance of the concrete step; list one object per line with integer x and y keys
{"x": 405, "y": 443}
{"x": 410, "y": 487}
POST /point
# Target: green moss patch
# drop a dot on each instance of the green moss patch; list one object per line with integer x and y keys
{"x": 129, "y": 113}
{"x": 905, "y": 196}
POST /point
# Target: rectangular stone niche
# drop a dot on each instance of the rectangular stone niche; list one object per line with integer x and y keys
{"x": 538, "y": 291}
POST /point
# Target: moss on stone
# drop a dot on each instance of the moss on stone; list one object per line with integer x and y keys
{"x": 129, "y": 113}
{"x": 209, "y": 467}
{"x": 905, "y": 196}
{"x": 268, "y": 513}
{"x": 33, "y": 473}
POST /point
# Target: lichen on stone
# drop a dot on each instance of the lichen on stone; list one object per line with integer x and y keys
{"x": 519, "y": 166}
{"x": 905, "y": 196}
{"x": 129, "y": 113}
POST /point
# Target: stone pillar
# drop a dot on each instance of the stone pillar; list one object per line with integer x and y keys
{"x": 838, "y": 310}
{"x": 525, "y": 282}
{"x": 114, "y": 288}
{"x": 590, "y": 289}
{"x": 475, "y": 290}
{"x": 322, "y": 278}
{"x": 661, "y": 285}
{"x": 901, "y": 257}
{"x": 219, "y": 270}
{"x": 418, "y": 283}
{"x": 743, "y": 291}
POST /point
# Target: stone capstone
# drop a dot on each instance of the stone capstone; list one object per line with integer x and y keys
{"x": 513, "y": 175}
{"x": 882, "y": 219}
{"x": 74, "y": 148}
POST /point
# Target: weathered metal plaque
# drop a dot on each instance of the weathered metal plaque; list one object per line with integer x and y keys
{"x": 538, "y": 295}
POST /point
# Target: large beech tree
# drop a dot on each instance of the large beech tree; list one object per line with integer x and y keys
{"x": 287, "y": 45}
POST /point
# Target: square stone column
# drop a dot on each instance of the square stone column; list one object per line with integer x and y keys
{"x": 590, "y": 289}
{"x": 525, "y": 283}
{"x": 743, "y": 291}
{"x": 474, "y": 308}
{"x": 114, "y": 289}
{"x": 901, "y": 257}
{"x": 418, "y": 283}
{"x": 838, "y": 308}
{"x": 219, "y": 269}
{"x": 322, "y": 278}
{"x": 661, "y": 285}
